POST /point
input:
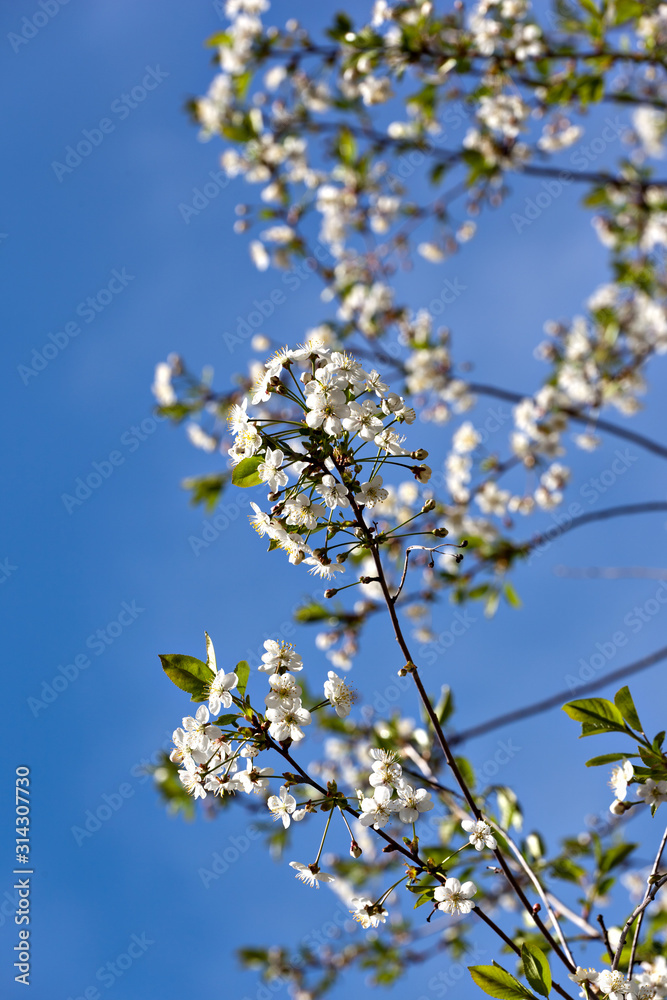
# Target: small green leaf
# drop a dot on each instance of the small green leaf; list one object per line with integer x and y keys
{"x": 495, "y": 981}
{"x": 242, "y": 671}
{"x": 536, "y": 969}
{"x": 608, "y": 758}
{"x": 626, "y": 706}
{"x": 226, "y": 720}
{"x": 245, "y": 473}
{"x": 597, "y": 715}
{"x": 511, "y": 596}
{"x": 188, "y": 673}
{"x": 311, "y": 612}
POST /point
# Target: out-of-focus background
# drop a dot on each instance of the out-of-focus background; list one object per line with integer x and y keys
{"x": 105, "y": 271}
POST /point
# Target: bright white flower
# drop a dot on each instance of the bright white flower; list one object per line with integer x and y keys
{"x": 466, "y": 438}
{"x": 412, "y": 802}
{"x": 199, "y": 438}
{"x": 282, "y": 806}
{"x": 279, "y": 657}
{"x": 269, "y": 470}
{"x": 219, "y": 691}
{"x": 479, "y": 834}
{"x": 386, "y": 769}
{"x": 333, "y": 493}
{"x": 371, "y": 492}
{"x": 377, "y": 811}
{"x": 287, "y": 722}
{"x": 254, "y": 779}
{"x": 375, "y": 384}
{"x": 326, "y": 571}
{"x": 199, "y": 729}
{"x": 375, "y": 90}
{"x": 613, "y": 984}
{"x": 186, "y": 749}
{"x": 284, "y": 691}
{"x": 653, "y": 792}
{"x": 311, "y": 874}
{"x": 362, "y": 419}
{"x": 430, "y": 252}
{"x": 162, "y": 388}
{"x": 649, "y": 125}
{"x": 192, "y": 781}
{"x": 339, "y": 694}
{"x": 583, "y": 975}
{"x": 367, "y": 913}
{"x": 327, "y": 408}
{"x": 390, "y": 442}
{"x": 620, "y": 776}
{"x": 452, "y": 897}
{"x": 303, "y": 513}
{"x": 258, "y": 255}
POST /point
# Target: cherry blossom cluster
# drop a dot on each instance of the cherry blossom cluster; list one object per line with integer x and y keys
{"x": 649, "y": 984}
{"x": 345, "y": 412}
{"x": 386, "y": 778}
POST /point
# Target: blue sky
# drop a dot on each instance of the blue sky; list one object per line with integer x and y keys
{"x": 121, "y": 562}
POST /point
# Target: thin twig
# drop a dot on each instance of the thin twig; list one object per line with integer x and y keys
{"x": 557, "y": 699}
{"x": 538, "y": 887}
{"x": 654, "y": 872}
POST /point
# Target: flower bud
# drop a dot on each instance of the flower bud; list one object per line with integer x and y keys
{"x": 429, "y": 505}
{"x": 419, "y": 455}
{"x": 422, "y": 473}
{"x": 355, "y": 850}
{"x": 440, "y": 532}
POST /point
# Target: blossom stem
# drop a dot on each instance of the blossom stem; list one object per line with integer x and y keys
{"x": 647, "y": 899}
{"x": 324, "y": 835}
{"x": 449, "y": 757}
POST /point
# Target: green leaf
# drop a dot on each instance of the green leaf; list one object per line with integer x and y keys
{"x": 226, "y": 720}
{"x": 626, "y": 10}
{"x": 614, "y": 856}
{"x": 597, "y": 715}
{"x": 626, "y": 706}
{"x": 511, "y": 596}
{"x": 242, "y": 671}
{"x": 608, "y": 758}
{"x": 536, "y": 969}
{"x": 495, "y": 981}
{"x": 188, "y": 673}
{"x": 311, "y": 612}
{"x": 245, "y": 473}
{"x": 347, "y": 147}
